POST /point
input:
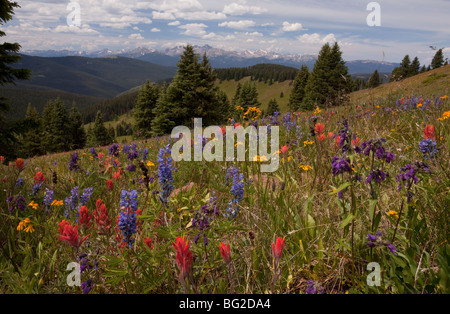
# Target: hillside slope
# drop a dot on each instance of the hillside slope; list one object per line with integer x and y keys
{"x": 97, "y": 77}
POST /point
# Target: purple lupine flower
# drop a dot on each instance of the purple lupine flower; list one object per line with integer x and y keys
{"x": 48, "y": 198}
{"x": 128, "y": 225}
{"x": 16, "y": 203}
{"x": 129, "y": 200}
{"x": 392, "y": 248}
{"x": 20, "y": 182}
{"x": 93, "y": 152}
{"x": 340, "y": 165}
{"x": 86, "y": 196}
{"x": 314, "y": 288}
{"x": 377, "y": 175}
{"x": 237, "y": 191}
{"x": 165, "y": 174}
{"x": 114, "y": 150}
{"x": 87, "y": 286}
{"x": 145, "y": 154}
{"x": 428, "y": 148}
{"x": 36, "y": 189}
{"x": 131, "y": 168}
{"x": 73, "y": 164}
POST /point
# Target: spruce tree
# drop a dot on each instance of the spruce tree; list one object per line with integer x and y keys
{"x": 143, "y": 111}
{"x": 56, "y": 133}
{"x": 272, "y": 107}
{"x": 328, "y": 82}
{"x": 76, "y": 130}
{"x": 374, "y": 80}
{"x": 415, "y": 67}
{"x": 237, "y": 96}
{"x": 100, "y": 134}
{"x": 298, "y": 91}
{"x": 438, "y": 60}
{"x": 8, "y": 75}
{"x": 31, "y": 140}
{"x": 249, "y": 96}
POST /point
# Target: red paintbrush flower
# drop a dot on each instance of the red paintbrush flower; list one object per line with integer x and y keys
{"x": 277, "y": 249}
{"x": 429, "y": 132}
{"x": 101, "y": 217}
{"x": 225, "y": 252}
{"x": 69, "y": 235}
{"x": 321, "y": 137}
{"x": 319, "y": 128}
{"x": 109, "y": 184}
{"x": 20, "y": 164}
{"x": 85, "y": 218}
{"x": 183, "y": 257}
{"x": 149, "y": 243}
{"x": 284, "y": 149}
{"x": 39, "y": 178}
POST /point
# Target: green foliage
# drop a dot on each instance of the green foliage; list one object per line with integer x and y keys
{"x": 374, "y": 80}
{"x": 273, "y": 107}
{"x": 99, "y": 135}
{"x": 260, "y": 72}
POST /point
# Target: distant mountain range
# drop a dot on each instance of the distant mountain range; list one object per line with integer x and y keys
{"x": 219, "y": 58}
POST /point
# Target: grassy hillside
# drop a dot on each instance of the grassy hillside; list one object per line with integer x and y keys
{"x": 435, "y": 82}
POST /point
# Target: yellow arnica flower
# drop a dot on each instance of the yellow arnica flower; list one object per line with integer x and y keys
{"x": 393, "y": 213}
{"x": 305, "y": 168}
{"x": 419, "y": 105}
{"x": 150, "y": 164}
{"x": 29, "y": 229}
{"x": 445, "y": 116}
{"x": 307, "y": 143}
{"x": 444, "y": 97}
{"x": 33, "y": 205}
{"x": 317, "y": 111}
{"x": 57, "y": 203}
{"x": 25, "y": 225}
{"x": 259, "y": 158}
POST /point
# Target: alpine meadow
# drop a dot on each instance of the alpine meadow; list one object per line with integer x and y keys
{"x": 202, "y": 171}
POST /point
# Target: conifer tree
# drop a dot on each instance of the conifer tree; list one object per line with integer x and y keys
{"x": 56, "y": 132}
{"x": 143, "y": 111}
{"x": 272, "y": 107}
{"x": 374, "y": 80}
{"x": 328, "y": 82}
{"x": 100, "y": 134}
{"x": 237, "y": 95}
{"x": 249, "y": 96}
{"x": 298, "y": 91}
{"x": 438, "y": 60}
{"x": 76, "y": 130}
{"x": 31, "y": 140}
{"x": 415, "y": 67}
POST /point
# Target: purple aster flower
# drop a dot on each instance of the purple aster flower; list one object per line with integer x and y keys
{"x": 392, "y": 248}
{"x": 340, "y": 165}
{"x": 377, "y": 175}
{"x": 131, "y": 168}
{"x": 16, "y": 203}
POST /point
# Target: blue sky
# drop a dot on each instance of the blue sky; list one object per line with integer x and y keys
{"x": 284, "y": 26}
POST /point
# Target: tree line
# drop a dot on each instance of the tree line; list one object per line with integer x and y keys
{"x": 267, "y": 73}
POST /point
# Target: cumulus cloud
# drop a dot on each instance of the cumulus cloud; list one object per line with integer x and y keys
{"x": 176, "y": 23}
{"x": 135, "y": 36}
{"x": 315, "y": 38}
{"x": 155, "y": 30}
{"x": 194, "y": 29}
{"x": 288, "y": 27}
{"x": 241, "y": 9}
{"x": 243, "y": 24}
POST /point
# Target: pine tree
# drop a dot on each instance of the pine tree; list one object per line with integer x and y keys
{"x": 328, "y": 82}
{"x": 403, "y": 71}
{"x": 438, "y": 60}
{"x": 298, "y": 91}
{"x": 76, "y": 130}
{"x": 272, "y": 107}
{"x": 143, "y": 111}
{"x": 374, "y": 80}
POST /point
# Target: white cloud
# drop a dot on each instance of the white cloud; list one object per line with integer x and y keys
{"x": 315, "y": 38}
{"x": 84, "y": 29}
{"x": 240, "y": 9}
{"x": 243, "y": 24}
{"x": 288, "y": 27}
{"x": 194, "y": 29}
{"x": 176, "y": 23}
{"x": 135, "y": 36}
{"x": 156, "y": 15}
{"x": 155, "y": 30}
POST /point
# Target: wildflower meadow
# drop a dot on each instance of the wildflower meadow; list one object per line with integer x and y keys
{"x": 359, "y": 204}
